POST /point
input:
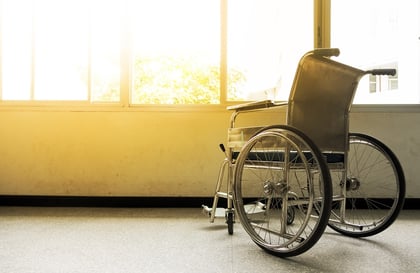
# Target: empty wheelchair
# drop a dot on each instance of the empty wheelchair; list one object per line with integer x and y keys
{"x": 286, "y": 183}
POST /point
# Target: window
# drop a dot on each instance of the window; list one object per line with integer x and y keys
{"x": 138, "y": 52}
{"x": 383, "y": 83}
{"x": 105, "y": 50}
{"x": 380, "y": 34}
{"x": 265, "y": 42}
{"x": 175, "y": 51}
{"x": 16, "y": 50}
{"x": 59, "y": 50}
{"x": 151, "y": 52}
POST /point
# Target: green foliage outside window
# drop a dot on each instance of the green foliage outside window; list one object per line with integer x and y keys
{"x": 172, "y": 80}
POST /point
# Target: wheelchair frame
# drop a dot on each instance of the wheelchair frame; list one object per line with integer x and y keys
{"x": 287, "y": 183}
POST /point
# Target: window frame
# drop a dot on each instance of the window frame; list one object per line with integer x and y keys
{"x": 125, "y": 77}
{"x": 321, "y": 28}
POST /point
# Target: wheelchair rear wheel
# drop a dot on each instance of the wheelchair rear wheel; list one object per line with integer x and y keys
{"x": 373, "y": 190}
{"x": 282, "y": 190}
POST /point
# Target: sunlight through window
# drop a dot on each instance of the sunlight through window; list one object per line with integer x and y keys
{"x": 385, "y": 35}
{"x": 175, "y": 51}
{"x": 265, "y": 41}
{"x": 16, "y": 46}
{"x": 61, "y": 50}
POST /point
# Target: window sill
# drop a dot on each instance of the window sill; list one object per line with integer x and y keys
{"x": 80, "y": 106}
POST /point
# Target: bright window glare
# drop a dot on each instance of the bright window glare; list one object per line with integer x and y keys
{"x": 49, "y": 46}
{"x": 175, "y": 51}
{"x": 105, "y": 36}
{"x": 169, "y": 51}
{"x": 380, "y": 34}
{"x": 61, "y": 50}
{"x": 16, "y": 49}
{"x": 266, "y": 39}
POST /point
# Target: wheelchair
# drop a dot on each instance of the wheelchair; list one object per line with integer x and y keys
{"x": 286, "y": 183}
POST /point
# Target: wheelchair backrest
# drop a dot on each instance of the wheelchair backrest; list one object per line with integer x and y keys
{"x": 320, "y": 100}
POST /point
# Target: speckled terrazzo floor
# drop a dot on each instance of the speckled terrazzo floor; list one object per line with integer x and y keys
{"x": 124, "y": 240}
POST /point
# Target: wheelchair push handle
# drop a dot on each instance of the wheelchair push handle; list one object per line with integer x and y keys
{"x": 382, "y": 71}
{"x": 330, "y": 52}
{"x": 326, "y": 52}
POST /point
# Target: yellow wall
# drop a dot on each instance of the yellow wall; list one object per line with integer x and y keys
{"x": 110, "y": 153}
{"x": 148, "y": 153}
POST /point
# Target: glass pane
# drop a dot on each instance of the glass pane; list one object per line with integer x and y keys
{"x": 106, "y": 41}
{"x": 61, "y": 50}
{"x": 16, "y": 49}
{"x": 265, "y": 42}
{"x": 380, "y": 34}
{"x": 175, "y": 50}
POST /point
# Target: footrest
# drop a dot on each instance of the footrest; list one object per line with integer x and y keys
{"x": 206, "y": 210}
{"x": 254, "y": 207}
{"x": 220, "y": 212}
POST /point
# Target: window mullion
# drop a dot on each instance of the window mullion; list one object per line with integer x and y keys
{"x": 223, "y": 51}
{"x": 1, "y": 50}
{"x": 125, "y": 57}
{"x": 89, "y": 70}
{"x": 322, "y": 23}
{"x": 33, "y": 54}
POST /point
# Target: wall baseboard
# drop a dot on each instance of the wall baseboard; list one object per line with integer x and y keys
{"x": 104, "y": 201}
{"x": 128, "y": 202}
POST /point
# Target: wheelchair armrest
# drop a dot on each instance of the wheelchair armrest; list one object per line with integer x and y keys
{"x": 256, "y": 105}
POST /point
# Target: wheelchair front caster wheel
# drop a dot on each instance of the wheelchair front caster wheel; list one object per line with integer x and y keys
{"x": 229, "y": 221}
{"x": 290, "y": 215}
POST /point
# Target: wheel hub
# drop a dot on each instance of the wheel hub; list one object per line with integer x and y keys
{"x": 352, "y": 184}
{"x": 279, "y": 188}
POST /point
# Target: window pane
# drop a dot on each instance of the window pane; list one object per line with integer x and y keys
{"x": 175, "y": 50}
{"x": 105, "y": 50}
{"x": 265, "y": 42}
{"x": 16, "y": 49}
{"x": 61, "y": 50}
{"x": 380, "y": 34}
